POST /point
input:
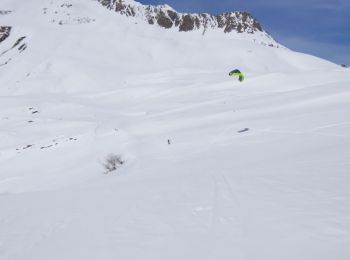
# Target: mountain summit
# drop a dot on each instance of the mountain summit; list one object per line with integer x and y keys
{"x": 166, "y": 17}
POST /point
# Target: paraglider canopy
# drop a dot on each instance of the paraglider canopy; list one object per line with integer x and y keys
{"x": 237, "y": 73}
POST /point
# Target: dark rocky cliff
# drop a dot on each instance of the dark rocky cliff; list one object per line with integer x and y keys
{"x": 166, "y": 17}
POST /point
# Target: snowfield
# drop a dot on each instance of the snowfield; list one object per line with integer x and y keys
{"x": 214, "y": 168}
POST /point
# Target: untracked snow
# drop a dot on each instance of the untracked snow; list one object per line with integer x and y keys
{"x": 213, "y": 168}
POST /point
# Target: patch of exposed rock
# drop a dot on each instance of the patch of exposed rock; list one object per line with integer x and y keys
{"x": 5, "y": 12}
{"x": 166, "y": 17}
{"x": 4, "y": 32}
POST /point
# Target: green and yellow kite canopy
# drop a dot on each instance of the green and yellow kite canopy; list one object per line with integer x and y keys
{"x": 237, "y": 73}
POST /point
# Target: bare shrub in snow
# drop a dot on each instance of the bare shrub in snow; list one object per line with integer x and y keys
{"x": 113, "y": 162}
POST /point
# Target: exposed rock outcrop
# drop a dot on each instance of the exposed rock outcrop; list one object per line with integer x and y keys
{"x": 4, "y": 32}
{"x": 166, "y": 17}
{"x": 5, "y": 12}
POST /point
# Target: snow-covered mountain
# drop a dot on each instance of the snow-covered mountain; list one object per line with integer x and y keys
{"x": 166, "y": 17}
{"x": 213, "y": 168}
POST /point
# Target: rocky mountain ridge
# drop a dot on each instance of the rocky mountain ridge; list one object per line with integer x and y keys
{"x": 167, "y": 17}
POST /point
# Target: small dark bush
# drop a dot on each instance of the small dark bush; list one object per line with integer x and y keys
{"x": 113, "y": 162}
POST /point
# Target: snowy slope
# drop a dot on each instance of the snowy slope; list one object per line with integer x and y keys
{"x": 254, "y": 170}
{"x": 168, "y": 18}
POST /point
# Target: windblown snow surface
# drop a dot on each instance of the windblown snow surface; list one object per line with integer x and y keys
{"x": 254, "y": 170}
